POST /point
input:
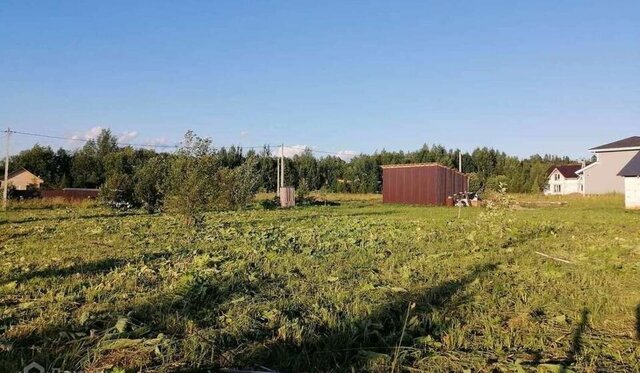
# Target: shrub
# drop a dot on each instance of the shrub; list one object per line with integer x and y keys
{"x": 118, "y": 191}
{"x": 31, "y": 192}
{"x": 475, "y": 182}
{"x": 236, "y": 187}
{"x": 303, "y": 190}
{"x": 192, "y": 178}
{"x": 244, "y": 184}
{"x": 270, "y": 204}
{"x": 496, "y": 183}
{"x": 150, "y": 183}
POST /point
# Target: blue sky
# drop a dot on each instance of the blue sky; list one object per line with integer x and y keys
{"x": 525, "y": 77}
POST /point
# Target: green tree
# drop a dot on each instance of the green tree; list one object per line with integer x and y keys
{"x": 244, "y": 185}
{"x": 118, "y": 190}
{"x": 266, "y": 168}
{"x": 86, "y": 168}
{"x": 485, "y": 161}
{"x": 302, "y": 191}
{"x": 39, "y": 160}
{"x": 150, "y": 183}
{"x": 307, "y": 169}
{"x": 192, "y": 178}
{"x": 330, "y": 170}
{"x": 494, "y": 182}
{"x": 363, "y": 175}
{"x": 63, "y": 161}
{"x": 475, "y": 182}
{"x": 118, "y": 167}
{"x": 105, "y": 144}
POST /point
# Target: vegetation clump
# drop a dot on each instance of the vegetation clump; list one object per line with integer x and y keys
{"x": 102, "y": 162}
{"x": 360, "y": 286}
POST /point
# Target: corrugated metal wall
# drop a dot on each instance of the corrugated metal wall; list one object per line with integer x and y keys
{"x": 421, "y": 184}
{"x": 70, "y": 194}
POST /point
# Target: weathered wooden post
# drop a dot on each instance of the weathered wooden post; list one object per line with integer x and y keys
{"x": 287, "y": 197}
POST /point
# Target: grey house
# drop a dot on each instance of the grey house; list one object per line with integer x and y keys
{"x": 631, "y": 175}
{"x": 602, "y": 177}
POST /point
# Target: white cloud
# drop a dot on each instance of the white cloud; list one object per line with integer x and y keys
{"x": 127, "y": 136}
{"x": 346, "y": 155}
{"x": 290, "y": 151}
{"x": 123, "y": 137}
{"x": 244, "y": 133}
{"x": 88, "y": 135}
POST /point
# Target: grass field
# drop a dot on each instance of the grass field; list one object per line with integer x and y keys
{"x": 359, "y": 286}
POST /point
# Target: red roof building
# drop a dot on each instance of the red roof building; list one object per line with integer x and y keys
{"x": 564, "y": 180}
{"x": 568, "y": 171}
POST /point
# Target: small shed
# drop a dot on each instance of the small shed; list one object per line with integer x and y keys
{"x": 421, "y": 184}
{"x": 631, "y": 174}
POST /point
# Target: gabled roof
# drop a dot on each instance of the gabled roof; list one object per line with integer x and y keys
{"x": 19, "y": 171}
{"x": 586, "y": 168}
{"x": 632, "y": 142}
{"x": 632, "y": 168}
{"x": 568, "y": 170}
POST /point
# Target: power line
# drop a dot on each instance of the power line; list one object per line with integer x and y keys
{"x": 327, "y": 152}
{"x": 5, "y": 184}
{"x": 318, "y": 151}
{"x": 168, "y": 146}
{"x": 120, "y": 143}
{"x": 87, "y": 140}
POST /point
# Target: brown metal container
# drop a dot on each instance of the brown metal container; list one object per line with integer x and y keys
{"x": 421, "y": 184}
{"x": 72, "y": 194}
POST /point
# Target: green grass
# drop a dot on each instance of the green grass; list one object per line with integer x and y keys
{"x": 324, "y": 288}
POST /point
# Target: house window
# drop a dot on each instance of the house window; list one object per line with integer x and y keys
{"x": 557, "y": 188}
{"x": 556, "y": 177}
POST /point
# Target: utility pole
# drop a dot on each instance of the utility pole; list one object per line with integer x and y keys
{"x": 282, "y": 166}
{"x": 278, "y": 176}
{"x": 6, "y": 172}
{"x": 460, "y": 170}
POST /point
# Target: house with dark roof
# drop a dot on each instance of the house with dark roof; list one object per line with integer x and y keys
{"x": 21, "y": 179}
{"x": 562, "y": 179}
{"x": 602, "y": 177}
{"x": 631, "y": 174}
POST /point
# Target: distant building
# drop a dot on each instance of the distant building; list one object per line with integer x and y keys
{"x": 22, "y": 178}
{"x": 631, "y": 174}
{"x": 602, "y": 177}
{"x": 564, "y": 180}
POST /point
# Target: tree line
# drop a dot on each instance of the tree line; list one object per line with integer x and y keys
{"x": 101, "y": 163}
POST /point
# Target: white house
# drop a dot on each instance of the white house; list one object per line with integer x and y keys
{"x": 602, "y": 176}
{"x": 631, "y": 174}
{"x": 563, "y": 180}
